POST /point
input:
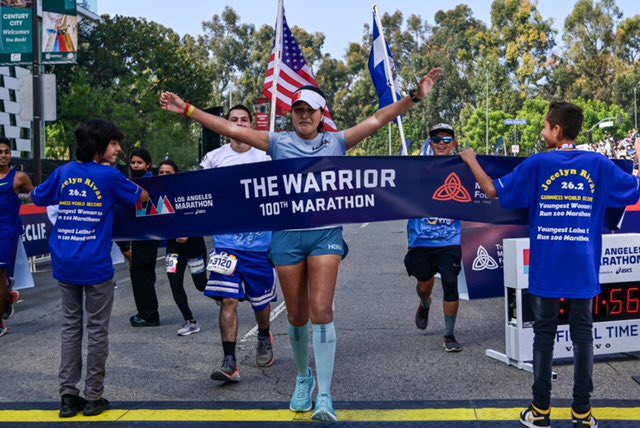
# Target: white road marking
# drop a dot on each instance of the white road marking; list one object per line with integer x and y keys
{"x": 254, "y": 331}
{"x": 363, "y": 225}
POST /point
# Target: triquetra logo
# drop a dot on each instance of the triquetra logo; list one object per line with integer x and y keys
{"x": 452, "y": 190}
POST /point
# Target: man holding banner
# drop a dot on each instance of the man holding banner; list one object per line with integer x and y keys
{"x": 12, "y": 183}
{"x": 307, "y": 261}
{"x": 566, "y": 192}
{"x": 434, "y": 246}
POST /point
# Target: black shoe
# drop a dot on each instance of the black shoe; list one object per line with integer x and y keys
{"x": 585, "y": 420}
{"x": 95, "y": 407}
{"x": 138, "y": 321}
{"x": 451, "y": 344}
{"x": 228, "y": 371}
{"x": 70, "y": 405}
{"x": 532, "y": 417}
{"x": 422, "y": 316}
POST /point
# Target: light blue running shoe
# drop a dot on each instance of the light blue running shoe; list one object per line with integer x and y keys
{"x": 324, "y": 409}
{"x": 301, "y": 400}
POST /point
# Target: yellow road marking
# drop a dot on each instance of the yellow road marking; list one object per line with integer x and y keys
{"x": 364, "y": 415}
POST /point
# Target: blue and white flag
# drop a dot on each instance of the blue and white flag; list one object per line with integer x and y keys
{"x": 384, "y": 83}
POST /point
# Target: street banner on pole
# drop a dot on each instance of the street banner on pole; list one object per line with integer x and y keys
{"x": 15, "y": 26}
{"x": 59, "y": 32}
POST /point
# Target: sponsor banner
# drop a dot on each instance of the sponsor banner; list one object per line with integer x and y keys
{"x": 36, "y": 229}
{"x": 482, "y": 258}
{"x": 620, "y": 260}
{"x": 314, "y": 192}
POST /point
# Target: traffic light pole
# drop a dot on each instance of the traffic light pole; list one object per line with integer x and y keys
{"x": 37, "y": 96}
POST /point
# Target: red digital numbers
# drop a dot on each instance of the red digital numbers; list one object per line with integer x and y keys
{"x": 633, "y": 303}
{"x": 618, "y": 301}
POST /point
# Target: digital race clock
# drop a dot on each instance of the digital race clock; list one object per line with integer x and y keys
{"x": 616, "y": 302}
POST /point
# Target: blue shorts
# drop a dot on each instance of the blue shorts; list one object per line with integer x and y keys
{"x": 254, "y": 271}
{"x": 290, "y": 247}
{"x": 8, "y": 251}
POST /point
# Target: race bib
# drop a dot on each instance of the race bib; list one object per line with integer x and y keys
{"x": 222, "y": 263}
{"x": 172, "y": 263}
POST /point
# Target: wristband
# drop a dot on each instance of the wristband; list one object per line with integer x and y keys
{"x": 414, "y": 97}
{"x": 188, "y": 110}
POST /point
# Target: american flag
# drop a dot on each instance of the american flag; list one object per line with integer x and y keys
{"x": 293, "y": 74}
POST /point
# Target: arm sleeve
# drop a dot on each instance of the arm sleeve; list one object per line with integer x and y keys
{"x": 48, "y": 193}
{"x": 515, "y": 189}
{"x": 623, "y": 189}
{"x": 125, "y": 190}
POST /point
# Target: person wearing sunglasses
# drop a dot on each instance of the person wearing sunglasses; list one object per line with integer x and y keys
{"x": 435, "y": 246}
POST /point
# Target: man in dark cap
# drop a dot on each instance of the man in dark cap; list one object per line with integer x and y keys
{"x": 434, "y": 247}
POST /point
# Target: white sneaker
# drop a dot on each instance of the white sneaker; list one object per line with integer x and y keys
{"x": 188, "y": 328}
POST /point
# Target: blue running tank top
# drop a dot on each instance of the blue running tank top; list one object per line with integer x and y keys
{"x": 10, "y": 224}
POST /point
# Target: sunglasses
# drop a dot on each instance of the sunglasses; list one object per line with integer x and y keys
{"x": 445, "y": 140}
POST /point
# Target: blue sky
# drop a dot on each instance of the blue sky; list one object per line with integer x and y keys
{"x": 340, "y": 20}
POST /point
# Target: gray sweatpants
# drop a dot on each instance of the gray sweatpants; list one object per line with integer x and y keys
{"x": 97, "y": 305}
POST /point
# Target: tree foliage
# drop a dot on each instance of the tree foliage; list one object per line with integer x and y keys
{"x": 511, "y": 64}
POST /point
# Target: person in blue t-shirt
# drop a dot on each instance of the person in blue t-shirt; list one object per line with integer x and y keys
{"x": 307, "y": 261}
{"x": 80, "y": 245}
{"x": 562, "y": 231}
{"x": 434, "y": 246}
{"x": 12, "y": 184}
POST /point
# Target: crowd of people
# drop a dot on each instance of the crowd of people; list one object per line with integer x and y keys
{"x": 614, "y": 148}
{"x": 244, "y": 266}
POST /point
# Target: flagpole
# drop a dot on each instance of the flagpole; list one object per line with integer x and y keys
{"x": 390, "y": 79}
{"x": 276, "y": 67}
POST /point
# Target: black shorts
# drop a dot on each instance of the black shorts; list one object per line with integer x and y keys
{"x": 425, "y": 262}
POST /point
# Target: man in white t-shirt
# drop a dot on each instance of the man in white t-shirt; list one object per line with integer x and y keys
{"x": 253, "y": 278}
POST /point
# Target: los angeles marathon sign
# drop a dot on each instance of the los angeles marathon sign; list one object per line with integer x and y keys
{"x": 313, "y": 192}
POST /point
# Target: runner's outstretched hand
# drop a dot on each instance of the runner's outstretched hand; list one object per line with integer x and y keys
{"x": 428, "y": 82}
{"x": 171, "y": 102}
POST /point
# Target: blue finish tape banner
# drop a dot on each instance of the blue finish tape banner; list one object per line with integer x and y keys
{"x": 313, "y": 192}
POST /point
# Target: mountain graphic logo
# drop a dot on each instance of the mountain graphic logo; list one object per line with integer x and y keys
{"x": 148, "y": 208}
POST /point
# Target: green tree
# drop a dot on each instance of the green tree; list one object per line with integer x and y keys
{"x": 589, "y": 34}
{"x": 534, "y": 112}
{"x": 594, "y": 111}
{"x": 524, "y": 41}
{"x": 474, "y": 130}
{"x": 119, "y": 76}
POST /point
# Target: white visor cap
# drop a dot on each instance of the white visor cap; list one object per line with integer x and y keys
{"x": 314, "y": 99}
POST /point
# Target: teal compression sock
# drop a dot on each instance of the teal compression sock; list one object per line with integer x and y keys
{"x": 299, "y": 339}
{"x": 449, "y": 324}
{"x": 324, "y": 349}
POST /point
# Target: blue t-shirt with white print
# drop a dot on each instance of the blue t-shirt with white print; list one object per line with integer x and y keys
{"x": 567, "y": 193}
{"x": 80, "y": 243}
{"x": 433, "y": 231}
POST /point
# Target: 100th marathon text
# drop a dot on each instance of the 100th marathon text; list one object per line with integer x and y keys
{"x": 313, "y": 183}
